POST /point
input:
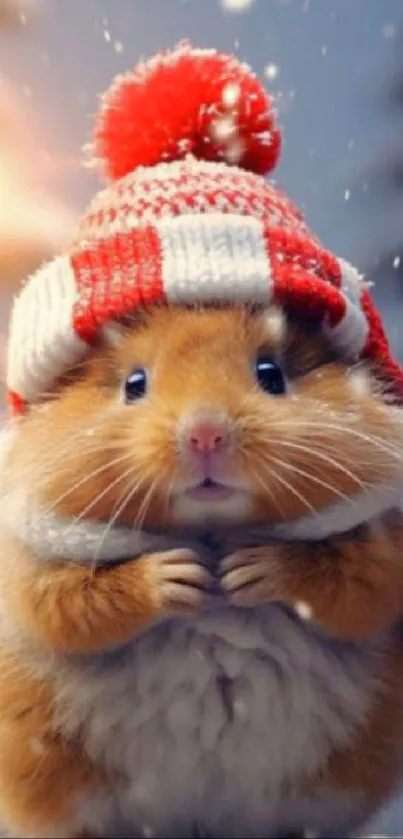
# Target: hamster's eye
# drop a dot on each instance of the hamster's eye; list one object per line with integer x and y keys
{"x": 135, "y": 385}
{"x": 270, "y": 376}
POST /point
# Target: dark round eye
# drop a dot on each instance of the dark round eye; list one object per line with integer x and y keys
{"x": 135, "y": 385}
{"x": 270, "y": 376}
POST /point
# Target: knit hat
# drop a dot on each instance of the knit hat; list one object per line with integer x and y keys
{"x": 185, "y": 141}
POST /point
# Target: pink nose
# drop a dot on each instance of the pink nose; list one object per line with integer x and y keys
{"x": 207, "y": 437}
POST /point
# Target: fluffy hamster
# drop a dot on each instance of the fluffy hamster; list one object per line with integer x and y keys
{"x": 126, "y": 696}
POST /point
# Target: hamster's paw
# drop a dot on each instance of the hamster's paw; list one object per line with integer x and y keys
{"x": 180, "y": 581}
{"x": 251, "y": 577}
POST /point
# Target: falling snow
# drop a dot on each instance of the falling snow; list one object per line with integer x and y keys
{"x": 107, "y": 36}
{"x": 389, "y": 30}
{"x": 347, "y": 194}
{"x": 271, "y": 71}
{"x": 396, "y": 261}
{"x": 237, "y": 5}
{"x": 305, "y": 613}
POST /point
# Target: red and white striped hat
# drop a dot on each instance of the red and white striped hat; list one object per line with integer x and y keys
{"x": 185, "y": 141}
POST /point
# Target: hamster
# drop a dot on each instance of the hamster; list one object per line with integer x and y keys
{"x": 218, "y": 685}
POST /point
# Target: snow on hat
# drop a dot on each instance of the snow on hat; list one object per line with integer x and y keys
{"x": 185, "y": 141}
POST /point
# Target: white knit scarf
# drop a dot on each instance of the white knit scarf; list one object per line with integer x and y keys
{"x": 50, "y": 537}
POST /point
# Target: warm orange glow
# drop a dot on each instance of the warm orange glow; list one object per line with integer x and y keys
{"x": 33, "y": 224}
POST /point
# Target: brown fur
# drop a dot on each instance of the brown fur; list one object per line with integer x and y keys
{"x": 84, "y": 609}
{"x": 353, "y": 585}
{"x": 296, "y": 454}
{"x": 331, "y": 443}
{"x": 42, "y": 777}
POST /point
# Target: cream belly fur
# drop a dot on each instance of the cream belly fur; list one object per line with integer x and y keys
{"x": 207, "y": 721}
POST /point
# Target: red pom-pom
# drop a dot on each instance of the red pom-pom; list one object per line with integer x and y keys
{"x": 188, "y": 101}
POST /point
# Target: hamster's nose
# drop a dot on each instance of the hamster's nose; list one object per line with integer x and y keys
{"x": 206, "y": 434}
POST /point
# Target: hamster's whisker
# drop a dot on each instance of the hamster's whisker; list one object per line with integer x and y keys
{"x": 88, "y": 477}
{"x": 376, "y": 442}
{"x": 171, "y": 484}
{"x": 314, "y": 452}
{"x": 143, "y": 509}
{"x": 258, "y": 478}
{"x": 94, "y": 501}
{"x": 274, "y": 474}
{"x": 85, "y": 434}
{"x": 124, "y": 500}
{"x": 303, "y": 474}
{"x": 128, "y": 492}
{"x": 63, "y": 458}
{"x": 128, "y": 474}
{"x": 325, "y": 449}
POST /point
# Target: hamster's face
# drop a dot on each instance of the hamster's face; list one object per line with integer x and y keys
{"x": 222, "y": 416}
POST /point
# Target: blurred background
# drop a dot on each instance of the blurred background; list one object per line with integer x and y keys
{"x": 336, "y": 67}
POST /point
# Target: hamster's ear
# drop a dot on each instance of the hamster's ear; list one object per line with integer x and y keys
{"x": 275, "y": 323}
{"x": 113, "y": 334}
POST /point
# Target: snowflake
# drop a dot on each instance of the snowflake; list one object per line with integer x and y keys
{"x": 396, "y": 261}
{"x": 305, "y": 613}
{"x": 347, "y": 194}
{"x": 237, "y": 5}
{"x": 388, "y": 30}
{"x": 271, "y": 71}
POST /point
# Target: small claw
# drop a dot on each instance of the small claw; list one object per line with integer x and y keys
{"x": 180, "y": 556}
{"x": 244, "y": 578}
{"x": 182, "y": 598}
{"x": 182, "y": 581}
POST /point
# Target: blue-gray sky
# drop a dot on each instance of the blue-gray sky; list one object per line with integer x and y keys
{"x": 335, "y": 59}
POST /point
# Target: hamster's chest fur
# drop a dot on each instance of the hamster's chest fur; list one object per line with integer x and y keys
{"x": 206, "y": 722}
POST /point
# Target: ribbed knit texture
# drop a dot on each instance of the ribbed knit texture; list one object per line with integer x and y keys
{"x": 187, "y": 217}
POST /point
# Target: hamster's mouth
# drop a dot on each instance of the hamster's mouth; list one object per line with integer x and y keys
{"x": 210, "y": 490}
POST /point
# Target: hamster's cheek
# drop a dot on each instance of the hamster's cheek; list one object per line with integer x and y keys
{"x": 330, "y": 440}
